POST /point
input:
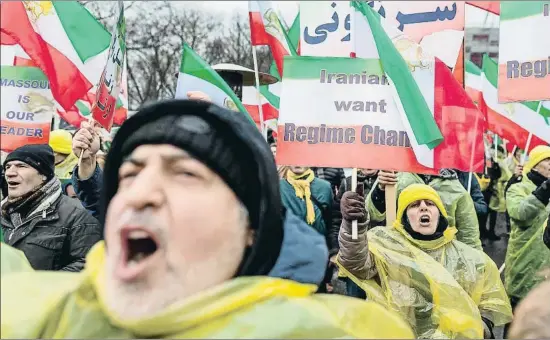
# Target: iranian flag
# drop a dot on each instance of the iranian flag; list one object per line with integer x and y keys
{"x": 196, "y": 75}
{"x": 472, "y": 80}
{"x": 270, "y": 94}
{"x": 524, "y": 51}
{"x": 512, "y": 121}
{"x": 250, "y": 103}
{"x": 63, "y": 39}
{"x": 443, "y": 124}
{"x": 80, "y": 111}
{"x": 489, "y": 6}
{"x": 266, "y": 28}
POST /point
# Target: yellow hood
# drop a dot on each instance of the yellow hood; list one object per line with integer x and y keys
{"x": 61, "y": 141}
{"x": 537, "y": 155}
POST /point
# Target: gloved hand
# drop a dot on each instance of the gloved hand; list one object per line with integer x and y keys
{"x": 543, "y": 192}
{"x": 352, "y": 207}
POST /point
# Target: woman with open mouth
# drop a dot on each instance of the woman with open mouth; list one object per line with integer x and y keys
{"x": 442, "y": 287}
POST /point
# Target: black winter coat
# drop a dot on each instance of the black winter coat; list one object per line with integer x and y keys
{"x": 57, "y": 238}
{"x": 333, "y": 175}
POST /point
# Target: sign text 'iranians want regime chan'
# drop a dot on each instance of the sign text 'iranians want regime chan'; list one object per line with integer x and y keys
{"x": 367, "y": 134}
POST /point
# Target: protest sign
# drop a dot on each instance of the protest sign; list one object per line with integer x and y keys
{"x": 27, "y": 107}
{"x": 346, "y": 118}
{"x": 111, "y": 78}
{"x": 327, "y": 27}
{"x": 524, "y": 51}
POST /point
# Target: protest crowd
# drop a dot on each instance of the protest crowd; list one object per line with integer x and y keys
{"x": 193, "y": 219}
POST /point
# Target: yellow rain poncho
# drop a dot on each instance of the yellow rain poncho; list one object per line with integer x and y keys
{"x": 526, "y": 254}
{"x": 457, "y": 202}
{"x": 497, "y": 202}
{"x": 61, "y": 142}
{"x": 13, "y": 260}
{"x": 65, "y": 169}
{"x": 441, "y": 287}
{"x": 69, "y": 305}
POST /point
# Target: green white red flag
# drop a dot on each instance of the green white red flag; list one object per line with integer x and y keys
{"x": 512, "y": 121}
{"x": 110, "y": 82}
{"x": 63, "y": 39}
{"x": 472, "y": 81}
{"x": 441, "y": 120}
{"x": 266, "y": 28}
{"x": 412, "y": 114}
{"x": 68, "y": 44}
{"x": 196, "y": 75}
{"x": 270, "y": 94}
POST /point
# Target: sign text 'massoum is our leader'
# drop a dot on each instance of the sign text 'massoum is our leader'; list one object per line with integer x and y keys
{"x": 537, "y": 68}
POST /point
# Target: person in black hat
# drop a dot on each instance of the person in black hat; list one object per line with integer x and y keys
{"x": 194, "y": 225}
{"x": 53, "y": 231}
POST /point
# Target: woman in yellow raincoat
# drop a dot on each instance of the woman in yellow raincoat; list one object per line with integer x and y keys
{"x": 442, "y": 287}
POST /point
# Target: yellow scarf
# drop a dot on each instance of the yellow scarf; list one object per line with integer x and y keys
{"x": 302, "y": 187}
{"x": 64, "y": 169}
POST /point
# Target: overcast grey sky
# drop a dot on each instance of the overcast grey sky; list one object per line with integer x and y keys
{"x": 474, "y": 17}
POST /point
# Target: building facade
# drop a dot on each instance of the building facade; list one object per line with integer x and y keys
{"x": 480, "y": 41}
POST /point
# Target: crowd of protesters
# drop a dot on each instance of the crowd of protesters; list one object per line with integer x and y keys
{"x": 186, "y": 227}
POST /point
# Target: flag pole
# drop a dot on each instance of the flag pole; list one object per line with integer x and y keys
{"x": 354, "y": 228}
{"x": 258, "y": 94}
{"x": 528, "y": 144}
{"x": 470, "y": 174}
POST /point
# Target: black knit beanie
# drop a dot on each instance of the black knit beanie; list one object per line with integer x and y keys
{"x": 230, "y": 145}
{"x": 39, "y": 156}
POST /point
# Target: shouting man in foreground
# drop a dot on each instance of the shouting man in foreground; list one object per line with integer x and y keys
{"x": 193, "y": 225}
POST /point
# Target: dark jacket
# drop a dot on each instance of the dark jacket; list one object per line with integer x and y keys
{"x": 475, "y": 192}
{"x": 296, "y": 264}
{"x": 345, "y": 185}
{"x": 334, "y": 176}
{"x": 89, "y": 191}
{"x": 57, "y": 237}
{"x": 3, "y": 183}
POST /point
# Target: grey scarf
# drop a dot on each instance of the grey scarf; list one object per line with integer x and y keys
{"x": 20, "y": 208}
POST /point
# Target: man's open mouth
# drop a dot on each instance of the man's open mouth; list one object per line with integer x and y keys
{"x": 138, "y": 247}
{"x": 12, "y": 184}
